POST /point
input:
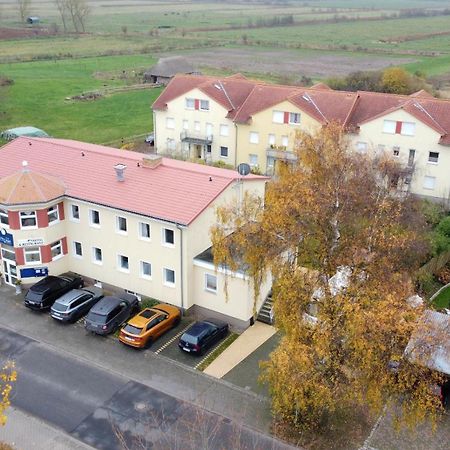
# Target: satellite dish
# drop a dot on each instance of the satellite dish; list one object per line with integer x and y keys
{"x": 243, "y": 169}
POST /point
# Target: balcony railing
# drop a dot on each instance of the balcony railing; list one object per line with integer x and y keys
{"x": 280, "y": 152}
{"x": 196, "y": 138}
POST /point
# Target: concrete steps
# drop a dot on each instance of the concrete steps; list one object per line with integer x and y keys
{"x": 264, "y": 313}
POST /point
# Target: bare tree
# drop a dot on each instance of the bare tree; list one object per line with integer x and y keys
{"x": 61, "y": 6}
{"x": 23, "y": 7}
{"x": 79, "y": 11}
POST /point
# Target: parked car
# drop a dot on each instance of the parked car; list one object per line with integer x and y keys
{"x": 75, "y": 304}
{"x": 141, "y": 330}
{"x": 43, "y": 294}
{"x": 150, "y": 139}
{"x": 111, "y": 312}
{"x": 202, "y": 335}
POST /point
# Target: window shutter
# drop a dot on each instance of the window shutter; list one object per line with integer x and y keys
{"x": 398, "y": 128}
{"x": 61, "y": 210}
{"x": 14, "y": 221}
{"x": 42, "y": 218}
{"x": 197, "y": 103}
{"x": 46, "y": 253}
{"x": 20, "y": 258}
{"x": 286, "y": 117}
{"x": 64, "y": 245}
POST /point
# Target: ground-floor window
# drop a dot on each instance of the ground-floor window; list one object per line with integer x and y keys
{"x": 210, "y": 283}
{"x": 56, "y": 250}
{"x": 169, "y": 277}
{"x": 32, "y": 255}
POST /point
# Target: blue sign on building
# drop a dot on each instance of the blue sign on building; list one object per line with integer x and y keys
{"x": 34, "y": 272}
{"x": 6, "y": 238}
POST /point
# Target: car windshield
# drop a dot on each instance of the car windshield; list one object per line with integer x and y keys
{"x": 132, "y": 330}
{"x": 33, "y": 296}
{"x": 189, "y": 339}
{"x": 98, "y": 318}
{"x": 59, "y": 307}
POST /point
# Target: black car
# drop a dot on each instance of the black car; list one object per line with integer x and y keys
{"x": 43, "y": 294}
{"x": 75, "y": 303}
{"x": 110, "y": 312}
{"x": 202, "y": 335}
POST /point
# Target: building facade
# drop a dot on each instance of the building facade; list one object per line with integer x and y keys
{"x": 262, "y": 122}
{"x": 120, "y": 218}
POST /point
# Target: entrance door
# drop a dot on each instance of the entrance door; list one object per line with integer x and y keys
{"x": 10, "y": 271}
{"x": 198, "y": 151}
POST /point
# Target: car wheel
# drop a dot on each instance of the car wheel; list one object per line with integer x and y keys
{"x": 148, "y": 343}
{"x": 177, "y": 321}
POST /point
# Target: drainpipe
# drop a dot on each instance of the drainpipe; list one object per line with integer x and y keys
{"x": 235, "y": 144}
{"x": 181, "y": 267}
{"x": 154, "y": 132}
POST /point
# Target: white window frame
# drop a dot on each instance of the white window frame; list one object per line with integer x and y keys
{"x": 253, "y": 160}
{"x": 141, "y": 235}
{"x": 171, "y": 144}
{"x": 429, "y": 182}
{"x": 141, "y": 270}
{"x": 396, "y": 148}
{"x": 285, "y": 141}
{"x": 185, "y": 124}
{"x": 433, "y": 159}
{"x": 224, "y": 130}
{"x": 56, "y": 245}
{"x": 4, "y": 214}
{"x": 32, "y": 251}
{"x": 120, "y": 220}
{"x": 253, "y": 137}
{"x": 91, "y": 217}
{"x": 408, "y": 129}
{"x": 74, "y": 249}
{"x": 166, "y": 270}
{"x": 188, "y": 102}
{"x": 197, "y": 126}
{"x": 203, "y": 105}
{"x": 272, "y": 139}
{"x": 94, "y": 256}
{"x": 389, "y": 126}
{"x": 277, "y": 116}
{"x": 293, "y": 116}
{"x": 220, "y": 150}
{"x": 53, "y": 211}
{"x": 164, "y": 242}
{"x": 72, "y": 217}
{"x": 361, "y": 147}
{"x": 25, "y": 215}
{"x": 170, "y": 123}
{"x": 120, "y": 260}
{"x": 209, "y": 288}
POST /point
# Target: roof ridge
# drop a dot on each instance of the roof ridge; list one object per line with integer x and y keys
{"x": 36, "y": 185}
{"x": 15, "y": 186}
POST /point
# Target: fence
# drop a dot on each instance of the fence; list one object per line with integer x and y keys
{"x": 435, "y": 264}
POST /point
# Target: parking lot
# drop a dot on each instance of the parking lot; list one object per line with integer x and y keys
{"x": 166, "y": 345}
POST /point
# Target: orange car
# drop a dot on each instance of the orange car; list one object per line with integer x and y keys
{"x": 141, "y": 330}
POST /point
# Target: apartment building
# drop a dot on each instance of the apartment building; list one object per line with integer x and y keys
{"x": 137, "y": 222}
{"x": 265, "y": 120}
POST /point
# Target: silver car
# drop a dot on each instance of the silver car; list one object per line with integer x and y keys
{"x": 75, "y": 304}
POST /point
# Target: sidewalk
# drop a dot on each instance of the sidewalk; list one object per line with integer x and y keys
{"x": 24, "y": 432}
{"x": 244, "y": 345}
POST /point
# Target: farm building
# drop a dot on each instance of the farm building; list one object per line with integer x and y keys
{"x": 33, "y": 20}
{"x": 167, "y": 68}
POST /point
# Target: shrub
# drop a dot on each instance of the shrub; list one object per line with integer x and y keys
{"x": 148, "y": 302}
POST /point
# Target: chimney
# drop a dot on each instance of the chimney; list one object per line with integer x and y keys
{"x": 151, "y": 160}
{"x": 120, "y": 169}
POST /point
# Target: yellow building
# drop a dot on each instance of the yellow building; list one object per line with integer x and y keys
{"x": 121, "y": 218}
{"x": 262, "y": 120}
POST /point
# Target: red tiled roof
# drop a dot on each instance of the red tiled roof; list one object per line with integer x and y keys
{"x": 243, "y": 98}
{"x": 175, "y": 191}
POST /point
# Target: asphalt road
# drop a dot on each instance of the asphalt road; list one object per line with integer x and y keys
{"x": 99, "y": 391}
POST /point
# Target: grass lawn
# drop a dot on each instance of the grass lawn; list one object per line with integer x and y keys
{"x": 38, "y": 98}
{"x": 443, "y": 299}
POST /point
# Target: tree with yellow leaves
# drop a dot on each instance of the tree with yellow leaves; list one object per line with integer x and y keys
{"x": 341, "y": 243}
{"x": 8, "y": 376}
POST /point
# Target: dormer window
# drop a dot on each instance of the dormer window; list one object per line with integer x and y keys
{"x": 398, "y": 127}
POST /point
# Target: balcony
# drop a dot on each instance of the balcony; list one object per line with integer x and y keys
{"x": 194, "y": 138}
{"x": 280, "y": 153}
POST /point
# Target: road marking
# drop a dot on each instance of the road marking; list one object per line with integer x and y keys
{"x": 212, "y": 350}
{"x": 172, "y": 340}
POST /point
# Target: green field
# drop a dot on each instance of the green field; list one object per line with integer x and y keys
{"x": 130, "y": 35}
{"x": 38, "y": 98}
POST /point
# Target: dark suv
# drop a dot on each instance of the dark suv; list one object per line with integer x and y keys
{"x": 43, "y": 294}
{"x": 75, "y": 304}
{"x": 110, "y": 312}
{"x": 202, "y": 335}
